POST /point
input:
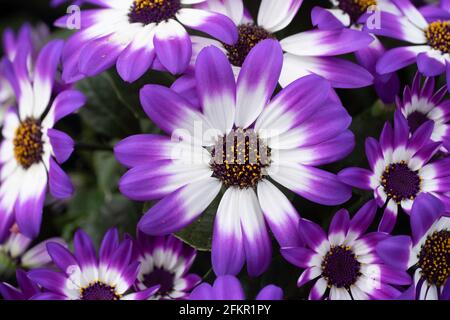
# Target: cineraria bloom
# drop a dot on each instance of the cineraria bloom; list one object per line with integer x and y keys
{"x": 239, "y": 138}
{"x": 349, "y": 13}
{"x": 84, "y": 276}
{"x": 27, "y": 289}
{"x": 345, "y": 262}
{"x": 16, "y": 252}
{"x": 165, "y": 261}
{"x": 131, "y": 33}
{"x": 35, "y": 37}
{"x": 229, "y": 288}
{"x": 401, "y": 167}
{"x": 426, "y": 253}
{"x": 32, "y": 150}
{"x": 346, "y": 14}
{"x": 309, "y": 52}
{"x": 421, "y": 104}
{"x": 431, "y": 41}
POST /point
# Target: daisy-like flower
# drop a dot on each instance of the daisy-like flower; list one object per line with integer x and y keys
{"x": 347, "y": 14}
{"x": 420, "y": 103}
{"x": 430, "y": 41}
{"x": 27, "y": 289}
{"x": 84, "y": 276}
{"x": 16, "y": 250}
{"x": 401, "y": 168}
{"x": 239, "y": 138}
{"x": 345, "y": 262}
{"x": 32, "y": 150}
{"x": 309, "y": 52}
{"x": 131, "y": 33}
{"x": 165, "y": 261}
{"x": 229, "y": 288}
{"x": 426, "y": 253}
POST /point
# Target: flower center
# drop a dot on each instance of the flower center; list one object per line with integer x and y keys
{"x": 153, "y": 11}
{"x": 438, "y": 35}
{"x": 160, "y": 277}
{"x": 28, "y": 145}
{"x": 249, "y": 36}
{"x": 99, "y": 291}
{"x": 240, "y": 158}
{"x": 415, "y": 120}
{"x": 355, "y": 8}
{"x": 400, "y": 182}
{"x": 340, "y": 267}
{"x": 434, "y": 257}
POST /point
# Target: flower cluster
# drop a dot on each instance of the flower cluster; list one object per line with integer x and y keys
{"x": 240, "y": 146}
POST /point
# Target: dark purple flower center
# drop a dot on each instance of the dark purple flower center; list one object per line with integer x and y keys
{"x": 355, "y": 8}
{"x": 99, "y": 291}
{"x": 400, "y": 182}
{"x": 240, "y": 158}
{"x": 161, "y": 277}
{"x": 153, "y": 11}
{"x": 415, "y": 120}
{"x": 438, "y": 35}
{"x": 28, "y": 144}
{"x": 249, "y": 36}
{"x": 340, "y": 267}
{"x": 434, "y": 257}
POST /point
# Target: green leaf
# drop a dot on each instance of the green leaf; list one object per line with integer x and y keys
{"x": 108, "y": 171}
{"x": 107, "y": 111}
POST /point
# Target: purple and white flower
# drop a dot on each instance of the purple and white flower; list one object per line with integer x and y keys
{"x": 401, "y": 168}
{"x": 239, "y": 138}
{"x": 16, "y": 250}
{"x": 31, "y": 150}
{"x": 345, "y": 262}
{"x": 430, "y": 41}
{"x": 86, "y": 276}
{"x": 229, "y": 288}
{"x": 26, "y": 290}
{"x": 420, "y": 103}
{"x": 347, "y": 14}
{"x": 165, "y": 261}
{"x": 426, "y": 253}
{"x": 305, "y": 53}
{"x": 131, "y": 33}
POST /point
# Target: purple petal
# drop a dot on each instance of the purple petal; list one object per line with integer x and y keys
{"x": 179, "y": 208}
{"x": 426, "y": 209}
{"x": 62, "y": 144}
{"x": 59, "y": 182}
{"x": 326, "y": 42}
{"x": 217, "y": 93}
{"x": 255, "y": 85}
{"x": 227, "y": 251}
{"x": 173, "y": 46}
{"x": 311, "y": 183}
{"x": 62, "y": 257}
{"x": 44, "y": 75}
{"x": 280, "y": 215}
{"x": 395, "y": 251}
{"x": 398, "y": 58}
{"x": 389, "y": 219}
{"x": 138, "y": 56}
{"x": 312, "y": 234}
{"x": 430, "y": 64}
{"x": 300, "y": 257}
{"x": 30, "y": 203}
{"x": 215, "y": 24}
{"x": 270, "y": 292}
